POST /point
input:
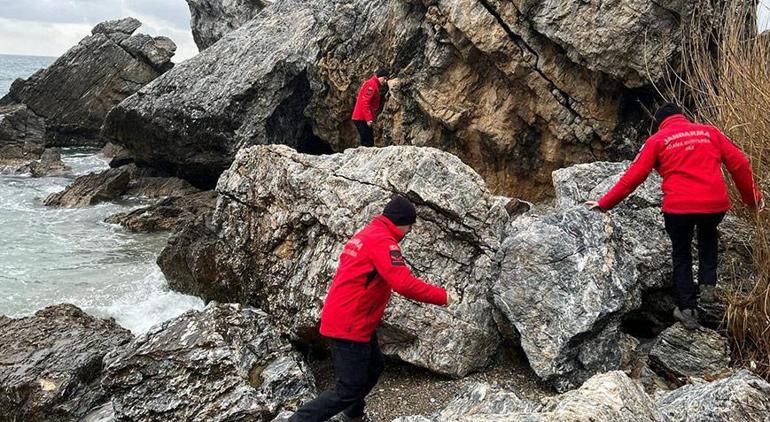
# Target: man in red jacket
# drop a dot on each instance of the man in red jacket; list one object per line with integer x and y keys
{"x": 367, "y": 104}
{"x": 371, "y": 267}
{"x": 689, "y": 157}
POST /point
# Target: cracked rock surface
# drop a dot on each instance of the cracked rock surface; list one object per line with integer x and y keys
{"x": 51, "y": 363}
{"x": 212, "y": 19}
{"x": 282, "y": 219}
{"x": 224, "y": 363}
{"x": 608, "y": 397}
{"x": 75, "y": 93}
{"x": 701, "y": 353}
{"x": 21, "y": 137}
{"x": 516, "y": 89}
{"x": 742, "y": 397}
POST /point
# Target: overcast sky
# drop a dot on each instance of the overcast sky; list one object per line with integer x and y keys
{"x": 50, "y": 27}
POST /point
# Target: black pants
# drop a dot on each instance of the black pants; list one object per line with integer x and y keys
{"x": 680, "y": 228}
{"x": 357, "y": 367}
{"x": 365, "y": 133}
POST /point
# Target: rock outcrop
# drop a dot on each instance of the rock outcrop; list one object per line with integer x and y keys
{"x": 282, "y": 219}
{"x": 742, "y": 397}
{"x": 51, "y": 363}
{"x": 21, "y": 137}
{"x": 603, "y": 398}
{"x": 224, "y": 363}
{"x": 168, "y": 214}
{"x": 114, "y": 183}
{"x": 50, "y": 164}
{"x": 212, "y": 19}
{"x": 75, "y": 93}
{"x": 679, "y": 352}
{"x": 515, "y": 89}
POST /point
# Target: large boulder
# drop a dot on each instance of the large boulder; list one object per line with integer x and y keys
{"x": 515, "y": 89}
{"x": 212, "y": 19}
{"x": 565, "y": 282}
{"x": 21, "y": 136}
{"x": 75, "y": 93}
{"x": 679, "y": 352}
{"x": 608, "y": 397}
{"x": 282, "y": 219}
{"x": 50, "y": 164}
{"x": 742, "y": 397}
{"x": 92, "y": 189}
{"x": 224, "y": 363}
{"x": 51, "y": 363}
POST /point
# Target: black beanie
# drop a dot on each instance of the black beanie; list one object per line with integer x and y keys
{"x": 400, "y": 211}
{"x": 382, "y": 73}
{"x": 664, "y": 112}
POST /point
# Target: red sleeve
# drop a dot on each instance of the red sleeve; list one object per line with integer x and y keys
{"x": 369, "y": 95}
{"x": 740, "y": 170}
{"x": 391, "y": 266}
{"x": 634, "y": 176}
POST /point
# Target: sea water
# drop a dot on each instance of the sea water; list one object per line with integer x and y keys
{"x": 69, "y": 255}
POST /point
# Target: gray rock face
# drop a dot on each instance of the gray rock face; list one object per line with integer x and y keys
{"x": 168, "y": 214}
{"x": 21, "y": 136}
{"x": 224, "y": 363}
{"x": 515, "y": 89}
{"x": 75, "y": 93}
{"x": 282, "y": 219}
{"x": 743, "y": 397}
{"x": 679, "y": 352}
{"x": 212, "y": 19}
{"x": 609, "y": 397}
{"x": 565, "y": 280}
{"x": 51, "y": 363}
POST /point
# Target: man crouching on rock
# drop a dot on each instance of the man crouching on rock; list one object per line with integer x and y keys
{"x": 689, "y": 157}
{"x": 371, "y": 267}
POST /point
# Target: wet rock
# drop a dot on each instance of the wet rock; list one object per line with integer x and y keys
{"x": 92, "y": 189}
{"x": 515, "y": 89}
{"x": 743, "y": 397}
{"x": 282, "y": 219}
{"x": 145, "y": 184}
{"x": 565, "y": 280}
{"x": 168, "y": 214}
{"x": 75, "y": 93}
{"x": 50, "y": 164}
{"x": 607, "y": 397}
{"x": 224, "y": 363}
{"x": 679, "y": 352}
{"x": 111, "y": 151}
{"x": 212, "y": 19}
{"x": 51, "y": 363}
{"x": 21, "y": 137}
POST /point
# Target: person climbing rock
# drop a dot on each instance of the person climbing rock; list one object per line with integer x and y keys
{"x": 371, "y": 266}
{"x": 689, "y": 157}
{"x": 367, "y": 105}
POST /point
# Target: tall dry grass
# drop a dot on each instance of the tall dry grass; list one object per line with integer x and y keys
{"x": 725, "y": 80}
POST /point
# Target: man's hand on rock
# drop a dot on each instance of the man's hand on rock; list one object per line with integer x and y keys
{"x": 452, "y": 296}
{"x": 593, "y": 206}
{"x": 369, "y": 123}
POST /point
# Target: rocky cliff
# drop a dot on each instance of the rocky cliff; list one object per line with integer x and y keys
{"x": 75, "y": 93}
{"x": 515, "y": 89}
{"x": 212, "y": 19}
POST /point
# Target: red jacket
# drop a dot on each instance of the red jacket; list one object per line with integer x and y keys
{"x": 689, "y": 157}
{"x": 368, "y": 101}
{"x": 371, "y": 266}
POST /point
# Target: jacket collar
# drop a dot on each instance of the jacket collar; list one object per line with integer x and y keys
{"x": 390, "y": 226}
{"x": 671, "y": 120}
{"x": 375, "y": 79}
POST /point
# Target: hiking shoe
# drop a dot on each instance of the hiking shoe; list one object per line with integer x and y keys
{"x": 688, "y": 318}
{"x": 708, "y": 294}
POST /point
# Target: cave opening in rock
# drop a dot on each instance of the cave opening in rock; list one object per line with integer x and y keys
{"x": 288, "y": 124}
